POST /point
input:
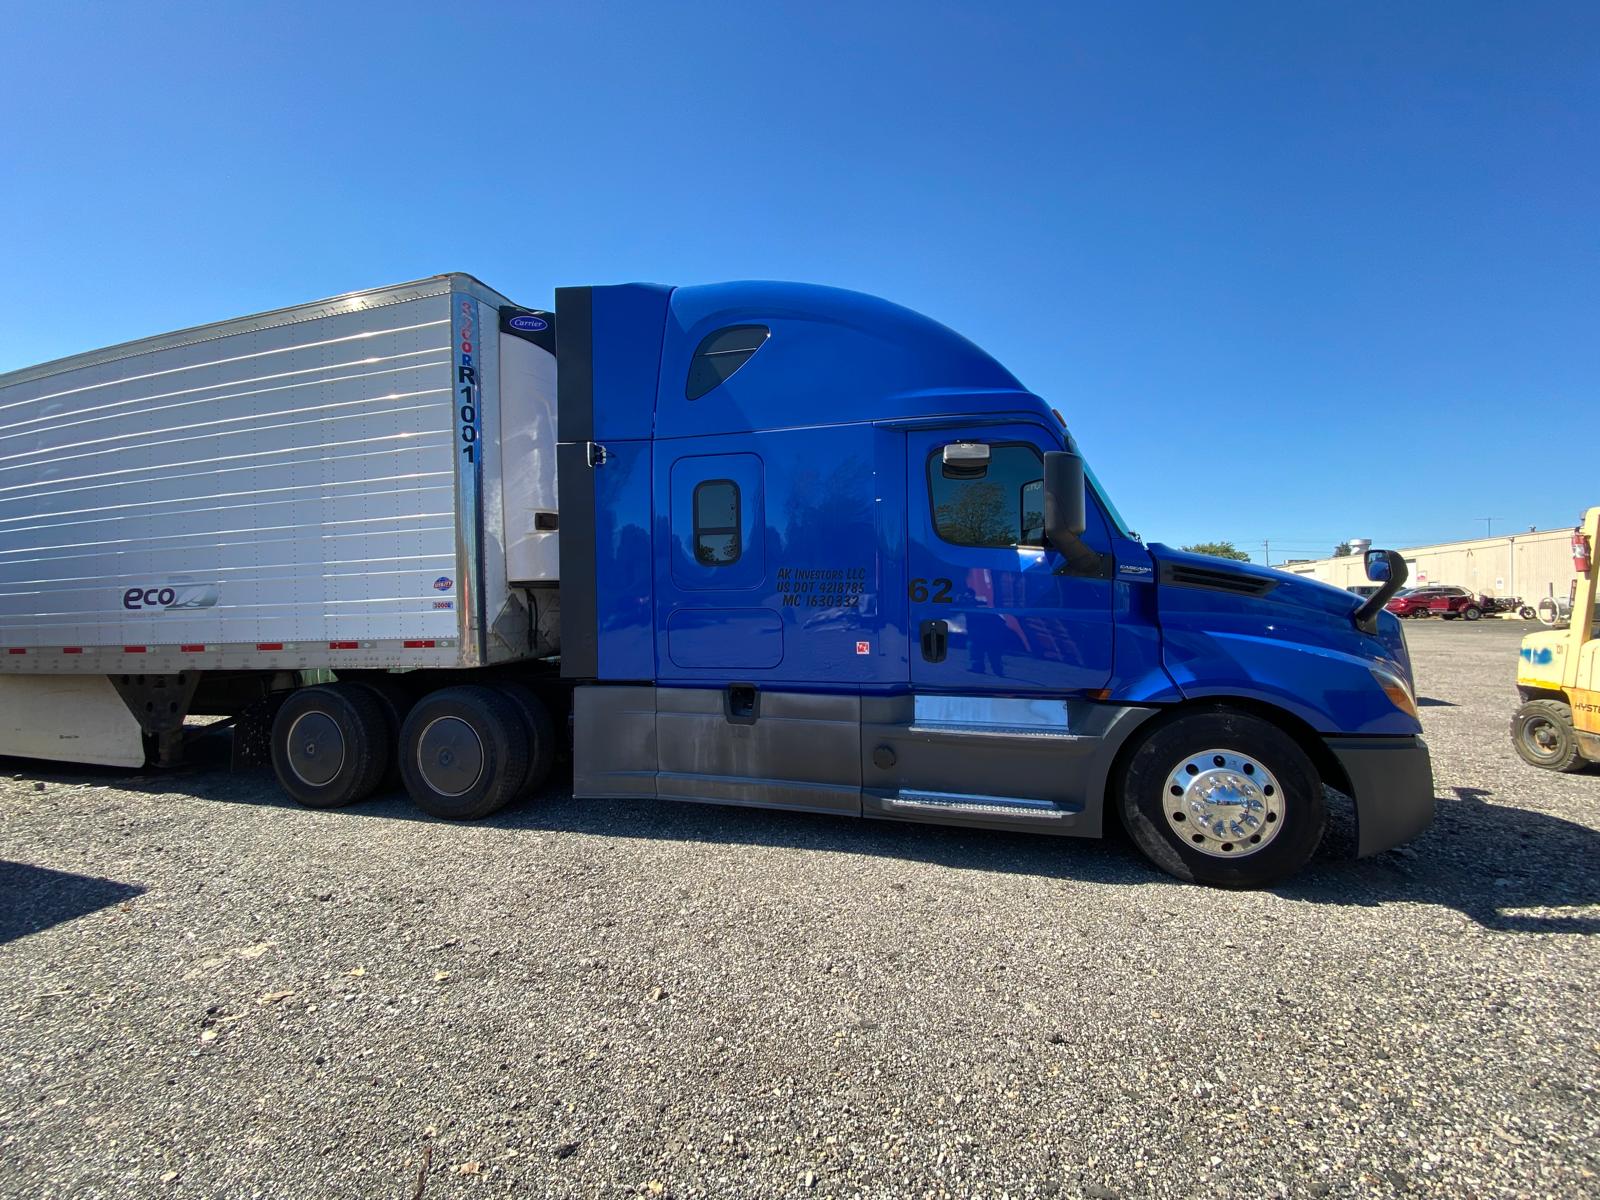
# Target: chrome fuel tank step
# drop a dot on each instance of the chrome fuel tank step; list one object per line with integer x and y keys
{"x": 911, "y": 804}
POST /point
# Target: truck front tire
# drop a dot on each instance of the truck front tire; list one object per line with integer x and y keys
{"x": 330, "y": 745}
{"x": 463, "y": 752}
{"x": 1223, "y": 798}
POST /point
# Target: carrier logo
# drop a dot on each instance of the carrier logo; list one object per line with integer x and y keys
{"x": 528, "y": 323}
{"x": 168, "y": 596}
{"x": 1132, "y": 569}
{"x": 443, "y": 584}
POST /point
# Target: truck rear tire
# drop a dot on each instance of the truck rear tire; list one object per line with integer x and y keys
{"x": 1542, "y": 734}
{"x": 1223, "y": 798}
{"x": 394, "y": 700}
{"x": 330, "y": 745}
{"x": 463, "y": 752}
{"x": 541, "y": 731}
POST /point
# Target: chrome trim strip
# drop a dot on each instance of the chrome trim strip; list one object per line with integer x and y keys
{"x": 1006, "y": 715}
{"x": 954, "y": 802}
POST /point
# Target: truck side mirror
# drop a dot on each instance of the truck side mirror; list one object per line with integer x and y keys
{"x": 1384, "y": 567}
{"x": 1065, "y": 509}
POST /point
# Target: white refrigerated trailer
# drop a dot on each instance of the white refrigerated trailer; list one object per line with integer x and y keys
{"x": 361, "y": 490}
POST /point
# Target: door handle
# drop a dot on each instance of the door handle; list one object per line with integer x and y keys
{"x": 935, "y": 640}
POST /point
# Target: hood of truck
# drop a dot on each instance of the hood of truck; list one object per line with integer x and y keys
{"x": 1236, "y": 629}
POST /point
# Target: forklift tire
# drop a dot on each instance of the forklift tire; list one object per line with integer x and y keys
{"x": 1223, "y": 798}
{"x": 541, "y": 731}
{"x": 395, "y": 699}
{"x": 1541, "y": 732}
{"x": 463, "y": 752}
{"x": 330, "y": 745}
{"x": 1472, "y": 612}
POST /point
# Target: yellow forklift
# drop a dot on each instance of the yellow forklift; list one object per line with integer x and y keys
{"x": 1558, "y": 675}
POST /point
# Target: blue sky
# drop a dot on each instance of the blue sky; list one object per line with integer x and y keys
{"x": 1292, "y": 272}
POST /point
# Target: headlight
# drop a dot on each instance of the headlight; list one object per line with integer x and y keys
{"x": 1397, "y": 690}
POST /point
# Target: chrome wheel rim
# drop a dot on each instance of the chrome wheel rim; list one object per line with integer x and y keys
{"x": 1223, "y": 803}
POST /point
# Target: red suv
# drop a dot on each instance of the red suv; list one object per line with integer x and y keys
{"x": 1436, "y": 600}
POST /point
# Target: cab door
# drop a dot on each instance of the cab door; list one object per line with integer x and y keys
{"x": 993, "y": 610}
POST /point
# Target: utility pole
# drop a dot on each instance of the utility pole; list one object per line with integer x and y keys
{"x": 1266, "y": 551}
{"x": 1488, "y": 525}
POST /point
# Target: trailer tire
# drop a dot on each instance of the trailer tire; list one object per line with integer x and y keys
{"x": 1528, "y": 613}
{"x": 395, "y": 700}
{"x": 463, "y": 752}
{"x": 541, "y": 731}
{"x": 1224, "y": 754}
{"x": 330, "y": 745}
{"x": 1543, "y": 736}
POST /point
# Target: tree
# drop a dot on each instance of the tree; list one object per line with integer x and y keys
{"x": 1342, "y": 550}
{"x": 1219, "y": 550}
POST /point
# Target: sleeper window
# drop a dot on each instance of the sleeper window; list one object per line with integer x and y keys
{"x": 719, "y": 355}
{"x": 996, "y": 506}
{"x": 716, "y": 522}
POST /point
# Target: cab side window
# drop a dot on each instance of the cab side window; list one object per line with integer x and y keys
{"x": 716, "y": 522}
{"x": 995, "y": 504}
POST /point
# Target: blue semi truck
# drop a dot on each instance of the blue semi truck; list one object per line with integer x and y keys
{"x": 762, "y": 544}
{"x": 820, "y": 552}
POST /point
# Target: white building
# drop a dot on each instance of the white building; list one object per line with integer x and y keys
{"x": 1530, "y": 565}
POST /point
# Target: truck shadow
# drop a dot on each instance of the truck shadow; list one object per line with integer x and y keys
{"x": 38, "y": 897}
{"x": 1484, "y": 860}
{"x": 1487, "y": 861}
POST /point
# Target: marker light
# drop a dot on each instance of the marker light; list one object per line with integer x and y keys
{"x": 1395, "y": 688}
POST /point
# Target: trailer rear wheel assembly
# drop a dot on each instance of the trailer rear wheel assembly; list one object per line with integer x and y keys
{"x": 541, "y": 731}
{"x": 464, "y": 752}
{"x": 330, "y": 745}
{"x": 1223, "y": 798}
{"x": 394, "y": 701}
{"x": 1541, "y": 731}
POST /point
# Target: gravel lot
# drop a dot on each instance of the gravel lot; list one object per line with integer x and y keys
{"x": 207, "y": 991}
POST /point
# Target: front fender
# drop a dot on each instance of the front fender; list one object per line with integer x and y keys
{"x": 1331, "y": 691}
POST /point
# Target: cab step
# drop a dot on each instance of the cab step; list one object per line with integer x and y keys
{"x": 910, "y": 804}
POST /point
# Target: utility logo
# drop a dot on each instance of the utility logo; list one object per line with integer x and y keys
{"x": 443, "y": 584}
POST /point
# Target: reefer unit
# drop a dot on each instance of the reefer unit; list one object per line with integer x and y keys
{"x": 363, "y": 482}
